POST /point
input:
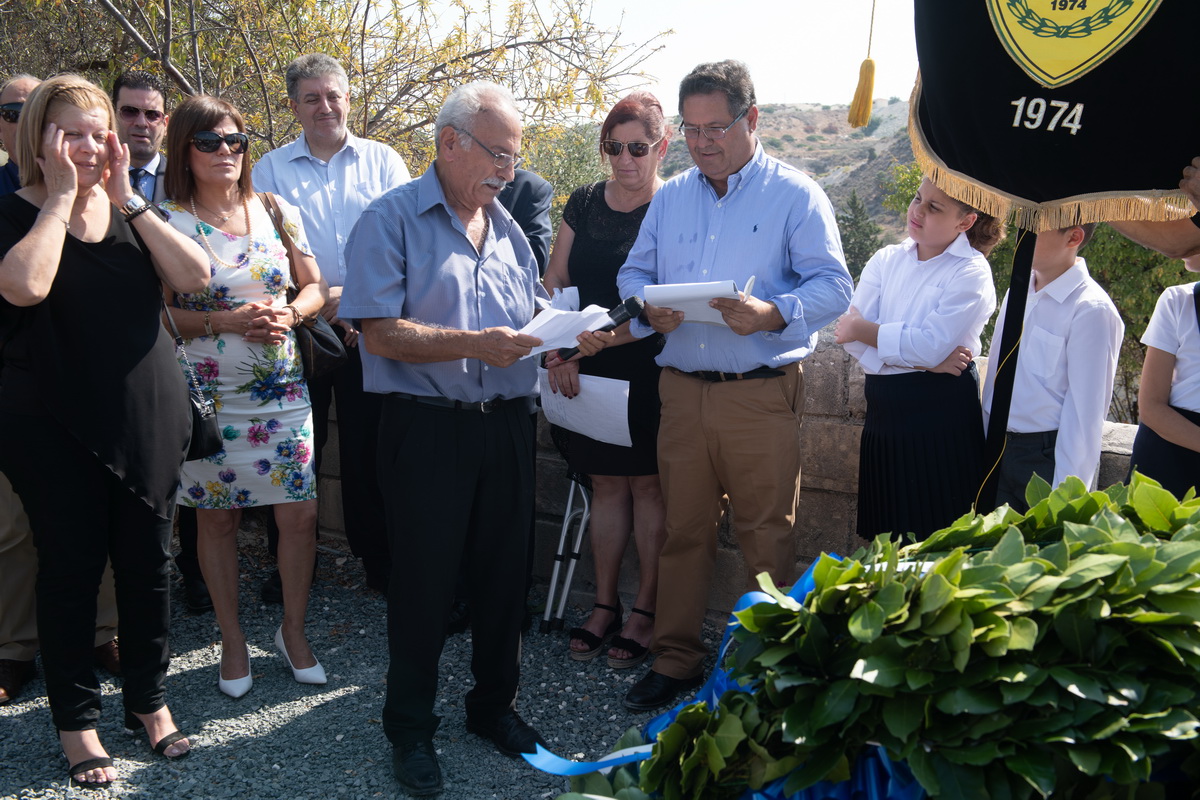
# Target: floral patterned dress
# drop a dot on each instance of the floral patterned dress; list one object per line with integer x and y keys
{"x": 259, "y": 389}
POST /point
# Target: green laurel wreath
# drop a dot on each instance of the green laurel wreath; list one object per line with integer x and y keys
{"x": 1040, "y": 26}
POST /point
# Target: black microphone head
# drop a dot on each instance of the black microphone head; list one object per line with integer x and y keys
{"x": 627, "y": 310}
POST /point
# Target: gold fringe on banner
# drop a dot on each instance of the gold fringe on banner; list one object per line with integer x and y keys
{"x": 864, "y": 93}
{"x": 1149, "y": 205}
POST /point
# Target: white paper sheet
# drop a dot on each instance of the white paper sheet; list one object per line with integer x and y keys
{"x": 692, "y": 299}
{"x": 559, "y": 328}
{"x": 600, "y": 410}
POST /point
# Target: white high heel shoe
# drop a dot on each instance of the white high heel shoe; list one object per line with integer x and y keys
{"x": 236, "y": 687}
{"x": 314, "y": 674}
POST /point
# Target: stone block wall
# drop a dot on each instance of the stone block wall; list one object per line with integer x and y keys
{"x": 834, "y": 408}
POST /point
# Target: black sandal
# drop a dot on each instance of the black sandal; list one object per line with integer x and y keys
{"x": 595, "y": 643}
{"x": 86, "y": 766}
{"x": 133, "y": 726}
{"x": 637, "y": 650}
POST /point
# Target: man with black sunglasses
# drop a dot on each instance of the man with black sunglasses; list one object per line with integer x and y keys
{"x": 12, "y": 97}
{"x": 140, "y": 100}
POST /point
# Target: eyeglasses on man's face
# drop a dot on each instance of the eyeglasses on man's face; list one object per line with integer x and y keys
{"x": 11, "y": 112}
{"x": 694, "y": 131}
{"x": 613, "y": 148}
{"x": 501, "y": 160}
{"x": 210, "y": 142}
{"x": 131, "y": 114}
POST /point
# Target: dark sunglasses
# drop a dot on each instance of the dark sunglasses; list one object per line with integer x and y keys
{"x": 11, "y": 112}
{"x": 210, "y": 142}
{"x": 613, "y": 148}
{"x": 130, "y": 114}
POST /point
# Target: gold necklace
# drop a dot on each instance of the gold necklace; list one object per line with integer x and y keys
{"x": 223, "y": 217}
{"x": 208, "y": 246}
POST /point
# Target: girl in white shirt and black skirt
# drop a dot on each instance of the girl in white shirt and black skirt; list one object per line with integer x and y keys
{"x": 1167, "y": 446}
{"x": 914, "y": 325}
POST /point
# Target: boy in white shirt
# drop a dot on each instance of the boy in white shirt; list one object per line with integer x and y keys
{"x": 1065, "y": 370}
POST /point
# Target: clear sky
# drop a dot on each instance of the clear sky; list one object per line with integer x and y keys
{"x": 798, "y": 51}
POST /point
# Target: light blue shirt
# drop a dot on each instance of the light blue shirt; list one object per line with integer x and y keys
{"x": 774, "y": 223}
{"x": 332, "y": 195}
{"x": 412, "y": 260}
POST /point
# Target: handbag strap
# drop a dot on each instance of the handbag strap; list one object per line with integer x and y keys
{"x": 188, "y": 369}
{"x": 276, "y": 215}
{"x": 1196, "y": 300}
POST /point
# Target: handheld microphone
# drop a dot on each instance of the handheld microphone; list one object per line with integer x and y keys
{"x": 619, "y": 315}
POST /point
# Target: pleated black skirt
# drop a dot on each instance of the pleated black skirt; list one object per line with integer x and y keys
{"x": 921, "y": 459}
{"x": 1176, "y": 468}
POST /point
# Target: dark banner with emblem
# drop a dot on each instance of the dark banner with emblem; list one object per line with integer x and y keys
{"x": 1059, "y": 111}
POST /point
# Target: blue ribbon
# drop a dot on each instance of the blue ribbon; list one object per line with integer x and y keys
{"x": 875, "y": 776}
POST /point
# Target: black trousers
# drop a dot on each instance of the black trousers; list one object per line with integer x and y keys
{"x": 81, "y": 517}
{"x": 361, "y": 500}
{"x": 1024, "y": 455}
{"x": 458, "y": 489}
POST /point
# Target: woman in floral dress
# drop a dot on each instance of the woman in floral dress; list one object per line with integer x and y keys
{"x": 238, "y": 335}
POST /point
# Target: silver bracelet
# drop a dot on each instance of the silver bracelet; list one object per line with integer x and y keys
{"x": 66, "y": 223}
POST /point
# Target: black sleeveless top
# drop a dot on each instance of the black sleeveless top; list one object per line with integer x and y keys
{"x": 95, "y": 358}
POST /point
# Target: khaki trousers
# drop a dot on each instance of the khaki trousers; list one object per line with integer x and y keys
{"x": 18, "y": 571}
{"x": 732, "y": 439}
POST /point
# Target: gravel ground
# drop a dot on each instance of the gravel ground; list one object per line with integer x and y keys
{"x": 286, "y": 740}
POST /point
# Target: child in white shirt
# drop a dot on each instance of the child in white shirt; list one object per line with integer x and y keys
{"x": 914, "y": 325}
{"x": 1065, "y": 369}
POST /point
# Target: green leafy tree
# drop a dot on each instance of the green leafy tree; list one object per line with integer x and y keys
{"x": 403, "y": 58}
{"x": 1133, "y": 276}
{"x": 860, "y": 235}
{"x": 569, "y": 157}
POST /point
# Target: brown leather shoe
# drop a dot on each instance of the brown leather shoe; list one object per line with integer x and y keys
{"x": 13, "y": 675}
{"x": 108, "y": 655}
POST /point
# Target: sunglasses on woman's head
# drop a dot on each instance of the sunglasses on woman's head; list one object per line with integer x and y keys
{"x": 612, "y": 147}
{"x": 11, "y": 112}
{"x": 210, "y": 142}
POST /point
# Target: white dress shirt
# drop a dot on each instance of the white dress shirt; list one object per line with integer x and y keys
{"x": 924, "y": 308}
{"x": 1065, "y": 369}
{"x": 1173, "y": 329}
{"x": 330, "y": 195}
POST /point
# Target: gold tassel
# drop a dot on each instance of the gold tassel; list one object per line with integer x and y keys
{"x": 864, "y": 95}
{"x": 860, "y": 109}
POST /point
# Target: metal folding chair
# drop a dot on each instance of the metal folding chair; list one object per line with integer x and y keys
{"x": 576, "y": 517}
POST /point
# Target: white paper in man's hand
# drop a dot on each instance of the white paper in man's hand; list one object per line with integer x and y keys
{"x": 558, "y": 328}
{"x": 600, "y": 410}
{"x": 692, "y": 299}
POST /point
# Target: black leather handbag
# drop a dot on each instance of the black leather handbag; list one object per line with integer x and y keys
{"x": 206, "y": 432}
{"x": 320, "y": 347}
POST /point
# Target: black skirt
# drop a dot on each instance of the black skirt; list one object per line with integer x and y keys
{"x": 1176, "y": 468}
{"x": 921, "y": 458}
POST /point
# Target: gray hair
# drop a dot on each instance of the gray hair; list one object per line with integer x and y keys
{"x": 469, "y": 101}
{"x": 313, "y": 65}
{"x": 14, "y": 79}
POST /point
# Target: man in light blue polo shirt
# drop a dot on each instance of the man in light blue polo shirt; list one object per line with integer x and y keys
{"x": 733, "y": 394}
{"x": 443, "y": 279}
{"x": 332, "y": 176}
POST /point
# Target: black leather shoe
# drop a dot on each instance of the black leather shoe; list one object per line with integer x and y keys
{"x": 655, "y": 690}
{"x": 272, "y": 589}
{"x": 13, "y": 675}
{"x": 416, "y": 768}
{"x": 195, "y": 594}
{"x": 511, "y": 734}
